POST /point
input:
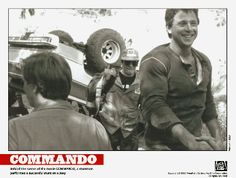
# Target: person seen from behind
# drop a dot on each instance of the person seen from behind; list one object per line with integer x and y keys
{"x": 53, "y": 124}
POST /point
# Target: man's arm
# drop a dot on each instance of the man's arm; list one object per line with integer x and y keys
{"x": 91, "y": 94}
{"x": 154, "y": 90}
{"x": 99, "y": 86}
{"x": 210, "y": 117}
{"x": 214, "y": 128}
{"x": 189, "y": 140}
{"x": 215, "y": 131}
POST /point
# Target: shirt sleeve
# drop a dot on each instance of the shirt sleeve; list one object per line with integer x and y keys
{"x": 91, "y": 94}
{"x": 154, "y": 90}
{"x": 210, "y": 110}
{"x": 12, "y": 136}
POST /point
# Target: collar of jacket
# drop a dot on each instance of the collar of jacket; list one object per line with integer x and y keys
{"x": 57, "y": 105}
{"x": 195, "y": 52}
{"x": 119, "y": 84}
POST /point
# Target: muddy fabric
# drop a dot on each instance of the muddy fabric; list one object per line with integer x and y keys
{"x": 119, "y": 111}
{"x": 170, "y": 96}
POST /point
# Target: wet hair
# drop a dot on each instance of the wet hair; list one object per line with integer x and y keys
{"x": 50, "y": 73}
{"x": 170, "y": 14}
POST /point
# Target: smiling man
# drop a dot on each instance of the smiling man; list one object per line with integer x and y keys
{"x": 176, "y": 89}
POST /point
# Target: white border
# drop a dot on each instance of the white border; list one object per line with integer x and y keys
{"x": 134, "y": 164}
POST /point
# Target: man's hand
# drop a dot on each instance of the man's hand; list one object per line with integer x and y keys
{"x": 215, "y": 145}
{"x": 108, "y": 73}
{"x": 202, "y": 145}
{"x": 189, "y": 140}
{"x": 215, "y": 131}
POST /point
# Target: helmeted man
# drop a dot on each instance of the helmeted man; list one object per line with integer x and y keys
{"x": 116, "y": 98}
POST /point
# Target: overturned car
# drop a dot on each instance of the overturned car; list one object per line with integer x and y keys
{"x": 103, "y": 48}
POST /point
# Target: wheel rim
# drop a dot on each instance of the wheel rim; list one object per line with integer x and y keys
{"x": 110, "y": 51}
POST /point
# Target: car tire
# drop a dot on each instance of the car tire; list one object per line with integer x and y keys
{"x": 63, "y": 36}
{"x": 104, "y": 47}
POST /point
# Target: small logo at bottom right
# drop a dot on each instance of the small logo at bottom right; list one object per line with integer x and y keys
{"x": 221, "y": 165}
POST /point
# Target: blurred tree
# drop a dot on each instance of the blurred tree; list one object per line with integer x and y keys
{"x": 219, "y": 86}
{"x": 90, "y": 13}
{"x": 220, "y": 17}
{"x": 93, "y": 13}
{"x": 25, "y": 11}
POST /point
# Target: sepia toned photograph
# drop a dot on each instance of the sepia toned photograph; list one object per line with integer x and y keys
{"x": 107, "y": 79}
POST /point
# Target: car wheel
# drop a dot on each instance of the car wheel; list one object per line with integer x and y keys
{"x": 64, "y": 37}
{"x": 104, "y": 47}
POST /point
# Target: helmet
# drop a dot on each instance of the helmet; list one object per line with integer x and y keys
{"x": 130, "y": 54}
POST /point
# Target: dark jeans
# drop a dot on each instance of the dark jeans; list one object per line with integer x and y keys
{"x": 119, "y": 142}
